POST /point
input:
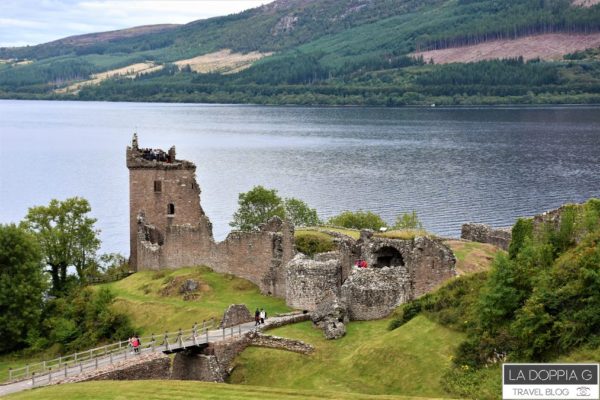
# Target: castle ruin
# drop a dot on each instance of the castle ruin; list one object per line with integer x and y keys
{"x": 169, "y": 229}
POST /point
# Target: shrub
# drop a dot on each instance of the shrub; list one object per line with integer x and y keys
{"x": 358, "y": 220}
{"x": 311, "y": 243}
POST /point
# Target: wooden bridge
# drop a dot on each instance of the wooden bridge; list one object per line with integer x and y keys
{"x": 61, "y": 368}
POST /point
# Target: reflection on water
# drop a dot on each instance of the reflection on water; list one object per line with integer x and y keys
{"x": 450, "y": 165}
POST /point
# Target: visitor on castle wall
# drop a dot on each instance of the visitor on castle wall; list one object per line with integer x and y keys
{"x": 256, "y": 317}
{"x": 263, "y": 315}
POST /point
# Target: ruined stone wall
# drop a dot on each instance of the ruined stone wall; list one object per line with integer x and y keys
{"x": 482, "y": 233}
{"x": 431, "y": 264}
{"x": 215, "y": 363}
{"x": 259, "y": 256}
{"x": 308, "y": 280}
{"x": 236, "y": 314}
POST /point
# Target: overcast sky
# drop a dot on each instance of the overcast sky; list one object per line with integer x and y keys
{"x": 31, "y": 22}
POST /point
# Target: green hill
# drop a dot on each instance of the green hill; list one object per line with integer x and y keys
{"x": 153, "y": 301}
{"x": 370, "y": 359}
{"x": 319, "y": 52}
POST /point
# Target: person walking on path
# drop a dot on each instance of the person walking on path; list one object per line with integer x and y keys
{"x": 256, "y": 317}
{"x": 136, "y": 344}
{"x": 263, "y": 315}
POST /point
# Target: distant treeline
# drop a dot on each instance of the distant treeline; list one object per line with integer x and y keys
{"x": 486, "y": 82}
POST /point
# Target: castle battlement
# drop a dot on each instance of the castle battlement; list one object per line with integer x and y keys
{"x": 140, "y": 158}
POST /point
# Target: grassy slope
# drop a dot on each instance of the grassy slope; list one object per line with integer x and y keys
{"x": 472, "y": 256}
{"x": 139, "y": 295}
{"x": 143, "y": 390}
{"x": 369, "y": 359}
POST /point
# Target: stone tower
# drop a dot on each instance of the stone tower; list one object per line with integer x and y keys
{"x": 163, "y": 194}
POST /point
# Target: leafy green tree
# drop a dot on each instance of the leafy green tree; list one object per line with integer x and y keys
{"x": 358, "y": 220}
{"x": 300, "y": 214}
{"x": 67, "y": 237}
{"x": 257, "y": 206}
{"x": 408, "y": 221}
{"x": 84, "y": 318}
{"x": 22, "y": 285}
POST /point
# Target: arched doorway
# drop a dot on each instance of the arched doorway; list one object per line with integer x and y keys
{"x": 388, "y": 256}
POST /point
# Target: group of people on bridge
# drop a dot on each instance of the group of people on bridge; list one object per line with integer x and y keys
{"x": 259, "y": 316}
{"x": 135, "y": 343}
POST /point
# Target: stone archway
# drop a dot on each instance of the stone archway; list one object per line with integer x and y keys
{"x": 388, "y": 256}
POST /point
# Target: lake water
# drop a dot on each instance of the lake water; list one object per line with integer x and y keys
{"x": 452, "y": 166}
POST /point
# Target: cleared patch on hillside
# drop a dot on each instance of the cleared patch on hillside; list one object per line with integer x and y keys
{"x": 552, "y": 46}
{"x": 472, "y": 257}
{"x": 130, "y": 71}
{"x": 223, "y": 61}
{"x": 585, "y": 3}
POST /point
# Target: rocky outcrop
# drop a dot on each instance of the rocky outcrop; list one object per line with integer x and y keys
{"x": 482, "y": 233}
{"x": 285, "y": 25}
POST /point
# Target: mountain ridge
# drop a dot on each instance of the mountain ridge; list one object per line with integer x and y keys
{"x": 312, "y": 44}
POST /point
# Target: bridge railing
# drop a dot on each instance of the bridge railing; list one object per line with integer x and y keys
{"x": 112, "y": 352}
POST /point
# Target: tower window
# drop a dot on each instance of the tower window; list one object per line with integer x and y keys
{"x": 157, "y": 186}
{"x": 171, "y": 209}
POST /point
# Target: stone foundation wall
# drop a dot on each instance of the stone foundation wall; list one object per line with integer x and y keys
{"x": 197, "y": 367}
{"x": 275, "y": 342}
{"x": 482, "y": 233}
{"x": 307, "y": 280}
{"x": 144, "y": 367}
{"x": 374, "y": 293}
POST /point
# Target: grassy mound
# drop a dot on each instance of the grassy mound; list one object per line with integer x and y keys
{"x": 154, "y": 303}
{"x": 369, "y": 359}
{"x": 184, "y": 390}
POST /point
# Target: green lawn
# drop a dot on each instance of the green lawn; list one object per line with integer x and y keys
{"x": 152, "y": 311}
{"x": 369, "y": 359}
{"x": 184, "y": 390}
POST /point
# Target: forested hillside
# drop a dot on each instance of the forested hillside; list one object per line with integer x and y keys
{"x": 321, "y": 52}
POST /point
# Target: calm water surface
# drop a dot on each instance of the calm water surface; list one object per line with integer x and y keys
{"x": 450, "y": 165}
